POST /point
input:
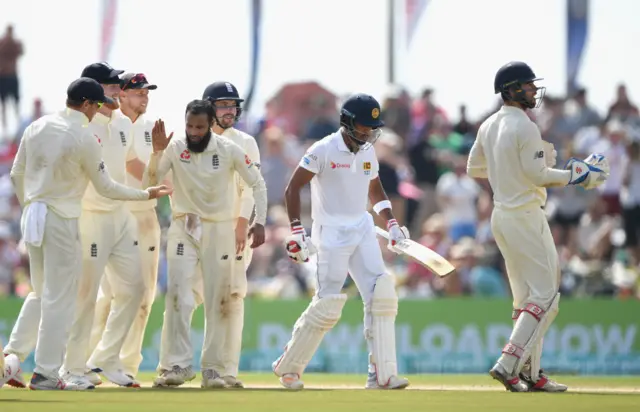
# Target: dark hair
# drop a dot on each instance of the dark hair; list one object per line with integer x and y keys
{"x": 201, "y": 107}
{"x": 74, "y": 103}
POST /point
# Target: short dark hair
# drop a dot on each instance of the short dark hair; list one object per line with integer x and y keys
{"x": 74, "y": 103}
{"x": 201, "y": 107}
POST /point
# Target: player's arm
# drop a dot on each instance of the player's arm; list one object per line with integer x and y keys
{"x": 135, "y": 166}
{"x": 532, "y": 159}
{"x": 18, "y": 168}
{"x": 158, "y": 167}
{"x": 246, "y": 197}
{"x": 382, "y": 206}
{"x": 252, "y": 177}
{"x": 477, "y": 162}
{"x": 96, "y": 170}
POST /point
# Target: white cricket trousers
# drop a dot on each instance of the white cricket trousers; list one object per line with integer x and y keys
{"x": 109, "y": 239}
{"x": 213, "y": 259}
{"x": 348, "y": 250}
{"x": 47, "y": 314}
{"x": 149, "y": 244}
{"x": 525, "y": 241}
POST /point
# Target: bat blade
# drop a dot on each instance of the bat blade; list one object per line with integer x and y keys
{"x": 421, "y": 255}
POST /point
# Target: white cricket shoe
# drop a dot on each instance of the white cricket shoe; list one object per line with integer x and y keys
{"x": 232, "y": 382}
{"x": 46, "y": 383}
{"x": 12, "y": 372}
{"x": 82, "y": 382}
{"x": 291, "y": 381}
{"x": 174, "y": 377}
{"x": 118, "y": 377}
{"x": 211, "y": 379}
{"x": 395, "y": 382}
{"x": 543, "y": 383}
{"x": 93, "y": 377}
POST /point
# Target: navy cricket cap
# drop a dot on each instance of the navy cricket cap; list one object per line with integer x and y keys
{"x": 221, "y": 91}
{"x": 86, "y": 88}
{"x": 363, "y": 109}
{"x": 103, "y": 73}
{"x": 136, "y": 81}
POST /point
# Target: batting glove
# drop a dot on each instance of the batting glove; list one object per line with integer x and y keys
{"x": 396, "y": 233}
{"x": 298, "y": 245}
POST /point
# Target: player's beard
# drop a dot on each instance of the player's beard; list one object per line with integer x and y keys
{"x": 198, "y": 147}
{"x": 226, "y": 121}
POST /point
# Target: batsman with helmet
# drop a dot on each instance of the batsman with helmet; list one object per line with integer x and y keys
{"x": 343, "y": 172}
{"x": 510, "y": 152}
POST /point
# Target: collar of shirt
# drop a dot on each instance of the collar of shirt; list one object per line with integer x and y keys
{"x": 76, "y": 116}
{"x": 213, "y": 143}
{"x": 513, "y": 110}
{"x": 339, "y": 142}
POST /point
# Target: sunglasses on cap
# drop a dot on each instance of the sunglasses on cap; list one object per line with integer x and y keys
{"x": 137, "y": 79}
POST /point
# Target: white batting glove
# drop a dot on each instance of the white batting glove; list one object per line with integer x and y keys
{"x": 298, "y": 245}
{"x": 396, "y": 233}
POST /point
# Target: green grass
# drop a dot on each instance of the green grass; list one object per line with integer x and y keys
{"x": 484, "y": 396}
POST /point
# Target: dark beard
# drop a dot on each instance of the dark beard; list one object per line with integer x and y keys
{"x": 201, "y": 145}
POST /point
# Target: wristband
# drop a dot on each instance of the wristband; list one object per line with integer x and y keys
{"x": 381, "y": 205}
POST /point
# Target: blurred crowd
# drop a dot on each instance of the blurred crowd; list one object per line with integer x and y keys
{"x": 423, "y": 153}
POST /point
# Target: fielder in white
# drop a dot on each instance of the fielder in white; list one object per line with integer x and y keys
{"x": 201, "y": 237}
{"x": 343, "y": 172}
{"x": 134, "y": 98}
{"x": 58, "y": 155}
{"x": 510, "y": 152}
{"x": 226, "y": 101}
{"x": 109, "y": 239}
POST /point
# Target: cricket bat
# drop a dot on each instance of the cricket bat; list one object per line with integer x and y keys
{"x": 420, "y": 254}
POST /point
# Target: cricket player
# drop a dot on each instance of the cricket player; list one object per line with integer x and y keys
{"x": 109, "y": 238}
{"x": 201, "y": 236}
{"x": 510, "y": 152}
{"x": 57, "y": 157}
{"x": 343, "y": 171}
{"x": 134, "y": 98}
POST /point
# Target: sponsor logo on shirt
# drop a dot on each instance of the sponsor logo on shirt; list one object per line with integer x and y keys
{"x": 185, "y": 156}
{"x": 340, "y": 165}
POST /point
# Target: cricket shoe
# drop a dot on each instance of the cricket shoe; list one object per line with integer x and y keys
{"x": 232, "y": 382}
{"x": 118, "y": 377}
{"x": 14, "y": 374}
{"x": 543, "y": 384}
{"x": 394, "y": 382}
{"x": 40, "y": 382}
{"x": 511, "y": 383}
{"x": 82, "y": 382}
{"x": 211, "y": 379}
{"x": 93, "y": 377}
{"x": 291, "y": 381}
{"x": 174, "y": 377}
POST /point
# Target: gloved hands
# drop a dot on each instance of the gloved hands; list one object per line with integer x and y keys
{"x": 550, "y": 154}
{"x": 396, "y": 233}
{"x": 298, "y": 244}
{"x": 589, "y": 173}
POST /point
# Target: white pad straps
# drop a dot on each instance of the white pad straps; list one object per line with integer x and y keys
{"x": 321, "y": 315}
{"x": 384, "y": 309}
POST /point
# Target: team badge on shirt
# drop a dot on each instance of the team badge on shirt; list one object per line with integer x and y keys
{"x": 215, "y": 162}
{"x": 123, "y": 138}
{"x": 366, "y": 166}
{"x": 147, "y": 138}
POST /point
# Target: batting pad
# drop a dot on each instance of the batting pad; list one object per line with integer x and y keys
{"x": 321, "y": 315}
{"x": 529, "y": 331}
{"x": 384, "y": 309}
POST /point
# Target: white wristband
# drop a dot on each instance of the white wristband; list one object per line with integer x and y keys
{"x": 381, "y": 205}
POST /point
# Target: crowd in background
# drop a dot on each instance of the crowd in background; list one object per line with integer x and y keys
{"x": 423, "y": 152}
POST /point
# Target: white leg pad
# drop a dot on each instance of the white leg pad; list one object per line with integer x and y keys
{"x": 321, "y": 315}
{"x": 529, "y": 330}
{"x": 384, "y": 309}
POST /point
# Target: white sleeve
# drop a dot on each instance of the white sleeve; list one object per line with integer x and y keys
{"x": 246, "y": 197}
{"x": 248, "y": 171}
{"x": 18, "y": 167}
{"x": 97, "y": 172}
{"x": 313, "y": 160}
{"x": 157, "y": 168}
{"x": 532, "y": 159}
{"x": 477, "y": 162}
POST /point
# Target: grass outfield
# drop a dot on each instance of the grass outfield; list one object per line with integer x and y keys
{"x": 338, "y": 393}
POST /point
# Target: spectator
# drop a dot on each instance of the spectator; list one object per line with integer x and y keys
{"x": 622, "y": 108}
{"x": 10, "y": 51}
{"x": 275, "y": 166}
{"x": 630, "y": 200}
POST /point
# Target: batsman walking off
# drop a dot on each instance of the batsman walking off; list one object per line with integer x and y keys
{"x": 343, "y": 172}
{"x": 510, "y": 152}
{"x": 201, "y": 237}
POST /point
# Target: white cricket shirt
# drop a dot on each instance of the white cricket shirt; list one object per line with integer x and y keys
{"x": 340, "y": 187}
{"x": 57, "y": 157}
{"x": 141, "y": 147}
{"x": 204, "y": 183}
{"x": 243, "y": 194}
{"x": 509, "y": 151}
{"x": 114, "y": 135}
